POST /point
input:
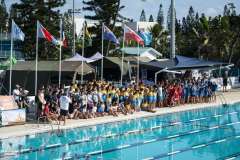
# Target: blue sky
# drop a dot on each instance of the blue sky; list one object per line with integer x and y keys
{"x": 133, "y": 7}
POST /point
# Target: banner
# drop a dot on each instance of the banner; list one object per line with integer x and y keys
{"x": 7, "y": 103}
{"x": 11, "y": 117}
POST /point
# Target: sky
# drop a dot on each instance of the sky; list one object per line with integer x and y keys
{"x": 133, "y": 8}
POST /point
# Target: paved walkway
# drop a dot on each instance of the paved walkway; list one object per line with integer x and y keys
{"x": 28, "y": 129}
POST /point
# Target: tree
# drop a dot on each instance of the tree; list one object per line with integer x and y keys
{"x": 202, "y": 33}
{"x": 103, "y": 11}
{"x": 230, "y": 35}
{"x": 26, "y": 14}
{"x": 143, "y": 16}
{"x": 68, "y": 31}
{"x": 160, "y": 17}
{"x": 159, "y": 39}
{"x": 3, "y": 16}
{"x": 151, "y": 18}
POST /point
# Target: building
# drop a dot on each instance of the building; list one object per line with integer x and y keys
{"x": 143, "y": 26}
{"x": 5, "y": 48}
{"x": 146, "y": 52}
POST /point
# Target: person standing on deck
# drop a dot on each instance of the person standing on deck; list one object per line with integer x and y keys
{"x": 225, "y": 81}
{"x": 64, "y": 106}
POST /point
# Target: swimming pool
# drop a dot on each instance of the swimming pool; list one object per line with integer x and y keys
{"x": 209, "y": 134}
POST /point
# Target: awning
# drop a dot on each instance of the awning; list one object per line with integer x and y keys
{"x": 79, "y": 58}
{"x": 118, "y": 62}
{"x": 194, "y": 63}
{"x": 67, "y": 66}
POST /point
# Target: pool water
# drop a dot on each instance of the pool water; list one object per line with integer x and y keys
{"x": 201, "y": 134}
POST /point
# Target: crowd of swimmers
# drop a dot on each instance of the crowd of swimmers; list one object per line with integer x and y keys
{"x": 97, "y": 98}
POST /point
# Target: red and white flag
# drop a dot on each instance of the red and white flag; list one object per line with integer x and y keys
{"x": 131, "y": 35}
{"x": 64, "y": 40}
{"x": 43, "y": 33}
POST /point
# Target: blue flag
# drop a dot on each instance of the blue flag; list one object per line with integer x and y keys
{"x": 146, "y": 36}
{"x": 17, "y": 32}
{"x": 108, "y": 35}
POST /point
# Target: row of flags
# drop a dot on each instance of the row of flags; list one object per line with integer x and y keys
{"x": 143, "y": 38}
{"x": 17, "y": 34}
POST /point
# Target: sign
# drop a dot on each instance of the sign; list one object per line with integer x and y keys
{"x": 11, "y": 117}
{"x": 7, "y": 103}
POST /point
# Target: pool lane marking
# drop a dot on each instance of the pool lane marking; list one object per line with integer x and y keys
{"x": 149, "y": 141}
{"x": 88, "y": 139}
{"x": 232, "y": 156}
{"x": 199, "y": 146}
{"x": 123, "y": 146}
{"x": 158, "y": 139}
{"x": 212, "y": 142}
{"x": 121, "y": 134}
{"x": 172, "y": 153}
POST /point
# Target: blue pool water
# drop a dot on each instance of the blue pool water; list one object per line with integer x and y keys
{"x": 201, "y": 134}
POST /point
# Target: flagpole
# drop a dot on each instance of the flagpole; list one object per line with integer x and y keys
{"x": 138, "y": 68}
{"x": 60, "y": 55}
{"x": 36, "y": 64}
{"x": 123, "y": 46}
{"x": 102, "y": 55}
{"x": 11, "y": 56}
{"x": 83, "y": 43}
{"x": 138, "y": 59}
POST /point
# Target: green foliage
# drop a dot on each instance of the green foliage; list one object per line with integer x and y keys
{"x": 159, "y": 39}
{"x": 102, "y": 11}
{"x": 216, "y": 38}
{"x": 143, "y": 16}
{"x": 160, "y": 16}
{"x": 26, "y": 13}
{"x": 3, "y": 16}
{"x": 151, "y": 18}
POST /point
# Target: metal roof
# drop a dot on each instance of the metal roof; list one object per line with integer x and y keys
{"x": 142, "y": 50}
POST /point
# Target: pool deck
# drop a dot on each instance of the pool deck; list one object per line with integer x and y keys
{"x": 231, "y": 97}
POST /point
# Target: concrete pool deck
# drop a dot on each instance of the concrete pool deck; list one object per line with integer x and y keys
{"x": 231, "y": 97}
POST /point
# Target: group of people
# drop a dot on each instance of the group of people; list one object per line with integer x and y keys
{"x": 98, "y": 98}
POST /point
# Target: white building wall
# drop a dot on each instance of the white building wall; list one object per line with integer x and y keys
{"x": 144, "y": 26}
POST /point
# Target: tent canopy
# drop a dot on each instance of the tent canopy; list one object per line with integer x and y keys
{"x": 67, "y": 66}
{"x": 118, "y": 62}
{"x": 79, "y": 58}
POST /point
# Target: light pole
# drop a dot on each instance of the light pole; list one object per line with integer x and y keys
{"x": 74, "y": 30}
{"x": 173, "y": 38}
{"x": 73, "y": 11}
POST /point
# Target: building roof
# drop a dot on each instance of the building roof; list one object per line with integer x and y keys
{"x": 53, "y": 66}
{"x": 180, "y": 63}
{"x": 142, "y": 51}
{"x": 190, "y": 63}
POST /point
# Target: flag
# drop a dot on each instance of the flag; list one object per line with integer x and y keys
{"x": 64, "y": 40}
{"x": 43, "y": 33}
{"x": 17, "y": 32}
{"x": 131, "y": 35}
{"x": 146, "y": 36}
{"x": 108, "y": 35}
{"x": 87, "y": 36}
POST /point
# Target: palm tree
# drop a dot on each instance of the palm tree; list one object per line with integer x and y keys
{"x": 202, "y": 34}
{"x": 159, "y": 38}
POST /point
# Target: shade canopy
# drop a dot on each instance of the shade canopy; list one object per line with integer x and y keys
{"x": 67, "y": 66}
{"x": 79, "y": 58}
